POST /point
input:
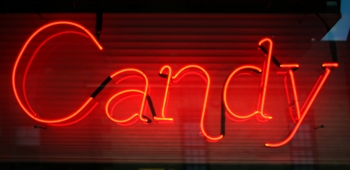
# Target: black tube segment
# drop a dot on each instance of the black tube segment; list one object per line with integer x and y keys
{"x": 100, "y": 88}
{"x": 274, "y": 59}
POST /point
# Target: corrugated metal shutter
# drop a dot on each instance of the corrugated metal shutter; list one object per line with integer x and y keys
{"x": 69, "y": 67}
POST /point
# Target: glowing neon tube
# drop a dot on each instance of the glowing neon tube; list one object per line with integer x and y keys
{"x": 126, "y": 91}
{"x": 292, "y": 67}
{"x": 30, "y": 63}
{"x": 205, "y": 134}
{"x": 165, "y": 100}
{"x": 228, "y": 80}
{"x": 116, "y": 95}
{"x": 264, "y": 82}
{"x": 30, "y": 113}
{"x": 266, "y": 74}
{"x": 311, "y": 98}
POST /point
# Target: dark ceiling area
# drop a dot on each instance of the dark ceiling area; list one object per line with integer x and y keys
{"x": 171, "y": 6}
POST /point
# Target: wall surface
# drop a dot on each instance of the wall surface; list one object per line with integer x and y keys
{"x": 62, "y": 66}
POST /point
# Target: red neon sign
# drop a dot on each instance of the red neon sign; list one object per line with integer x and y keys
{"x": 165, "y": 100}
{"x": 309, "y": 101}
{"x": 130, "y": 91}
{"x": 207, "y": 78}
{"x": 166, "y": 72}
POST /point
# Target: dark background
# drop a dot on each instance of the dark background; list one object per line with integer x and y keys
{"x": 172, "y": 6}
{"x": 165, "y": 6}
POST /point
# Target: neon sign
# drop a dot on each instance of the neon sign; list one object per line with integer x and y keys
{"x": 167, "y": 72}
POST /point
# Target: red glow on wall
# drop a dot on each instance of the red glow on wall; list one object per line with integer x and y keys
{"x": 31, "y": 61}
{"x": 166, "y": 72}
{"x": 264, "y": 82}
{"x": 165, "y": 100}
{"x": 203, "y": 131}
{"x": 232, "y": 75}
{"x": 133, "y": 115}
{"x": 77, "y": 120}
{"x": 266, "y": 72}
{"x": 292, "y": 80}
{"x": 309, "y": 101}
{"x": 128, "y": 91}
{"x": 28, "y": 110}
